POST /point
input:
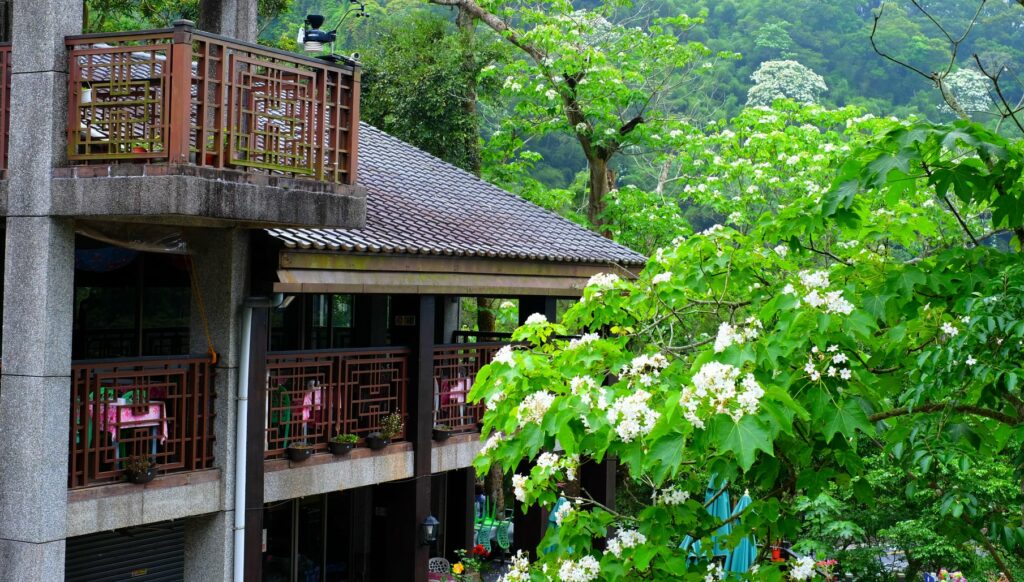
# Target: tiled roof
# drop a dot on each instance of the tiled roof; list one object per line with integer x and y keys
{"x": 418, "y": 204}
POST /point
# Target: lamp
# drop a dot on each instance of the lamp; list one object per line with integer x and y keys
{"x": 313, "y": 39}
{"x": 429, "y": 529}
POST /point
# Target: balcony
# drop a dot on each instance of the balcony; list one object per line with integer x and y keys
{"x": 455, "y": 369}
{"x": 313, "y": 396}
{"x": 197, "y": 126}
{"x": 157, "y": 408}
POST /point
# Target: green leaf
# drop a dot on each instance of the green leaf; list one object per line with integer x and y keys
{"x": 846, "y": 421}
{"x": 744, "y": 438}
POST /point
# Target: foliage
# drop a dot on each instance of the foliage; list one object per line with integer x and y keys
{"x": 882, "y": 315}
{"x": 118, "y": 15}
{"x": 345, "y": 438}
{"x": 392, "y": 425}
{"x": 785, "y": 80}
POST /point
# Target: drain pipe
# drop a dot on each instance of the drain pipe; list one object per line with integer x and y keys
{"x": 242, "y": 425}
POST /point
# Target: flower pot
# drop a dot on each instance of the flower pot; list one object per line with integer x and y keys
{"x": 340, "y": 449}
{"x": 299, "y": 454}
{"x": 442, "y": 434}
{"x": 377, "y": 442}
{"x": 141, "y": 476}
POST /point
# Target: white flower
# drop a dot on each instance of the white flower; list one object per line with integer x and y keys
{"x": 672, "y": 496}
{"x": 781, "y": 250}
{"x": 519, "y": 570}
{"x": 845, "y": 374}
{"x": 551, "y": 94}
{"x": 949, "y": 329}
{"x": 603, "y": 281}
{"x": 715, "y": 572}
{"x": 788, "y": 290}
{"x": 506, "y": 305}
{"x": 491, "y": 444}
{"x": 534, "y": 407}
{"x": 803, "y": 570}
{"x": 661, "y": 278}
{"x": 730, "y": 335}
{"x": 536, "y": 319}
{"x": 714, "y": 390}
{"x": 625, "y": 539}
{"x": 548, "y": 461}
{"x": 814, "y": 279}
{"x": 582, "y": 340}
{"x": 519, "y": 486}
{"x": 631, "y": 416}
{"x": 563, "y": 512}
{"x": 971, "y": 361}
{"x": 585, "y": 569}
{"x": 504, "y": 356}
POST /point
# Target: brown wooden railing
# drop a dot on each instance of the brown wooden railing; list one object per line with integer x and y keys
{"x": 313, "y": 396}
{"x": 5, "y": 103}
{"x": 455, "y": 369}
{"x": 184, "y": 96}
{"x": 158, "y": 408}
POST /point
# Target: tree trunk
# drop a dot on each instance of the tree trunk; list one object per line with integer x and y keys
{"x": 602, "y": 179}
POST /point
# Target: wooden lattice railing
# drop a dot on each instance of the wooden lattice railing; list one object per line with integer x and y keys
{"x": 455, "y": 369}
{"x": 158, "y": 408}
{"x": 184, "y": 96}
{"x": 313, "y": 396}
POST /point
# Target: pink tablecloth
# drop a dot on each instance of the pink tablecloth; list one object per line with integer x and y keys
{"x": 119, "y": 416}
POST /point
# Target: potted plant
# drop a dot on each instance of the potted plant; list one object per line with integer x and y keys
{"x": 299, "y": 451}
{"x": 140, "y": 469}
{"x": 442, "y": 432}
{"x": 473, "y": 564}
{"x": 391, "y": 427}
{"x": 341, "y": 444}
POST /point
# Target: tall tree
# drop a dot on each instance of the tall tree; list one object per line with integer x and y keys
{"x": 604, "y": 83}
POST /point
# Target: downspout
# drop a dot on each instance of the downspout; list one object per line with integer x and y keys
{"x": 242, "y": 426}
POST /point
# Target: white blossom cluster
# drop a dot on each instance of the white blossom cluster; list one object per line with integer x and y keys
{"x": 583, "y": 387}
{"x": 949, "y": 329}
{"x": 578, "y": 342}
{"x": 632, "y": 416}
{"x": 519, "y": 482}
{"x": 504, "y": 356}
{"x": 506, "y": 305}
{"x": 603, "y": 281}
{"x": 828, "y": 364}
{"x": 729, "y": 334}
{"x": 785, "y": 79}
{"x": 536, "y": 319}
{"x": 519, "y": 570}
{"x": 564, "y": 510}
{"x": 623, "y": 540}
{"x": 491, "y": 443}
{"x": 534, "y": 407}
{"x": 816, "y": 284}
{"x": 803, "y": 570}
{"x": 671, "y": 496}
{"x": 585, "y": 569}
{"x": 715, "y": 572}
{"x": 645, "y": 368}
{"x": 661, "y": 278}
{"x": 714, "y": 390}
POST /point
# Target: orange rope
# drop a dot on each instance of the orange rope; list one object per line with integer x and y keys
{"x": 194, "y": 282}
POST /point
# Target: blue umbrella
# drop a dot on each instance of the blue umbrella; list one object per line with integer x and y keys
{"x": 742, "y": 557}
{"x": 720, "y": 508}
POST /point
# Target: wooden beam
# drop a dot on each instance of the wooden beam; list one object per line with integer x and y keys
{"x": 345, "y": 261}
{"x": 325, "y": 281}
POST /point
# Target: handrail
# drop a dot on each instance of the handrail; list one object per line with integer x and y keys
{"x": 274, "y": 51}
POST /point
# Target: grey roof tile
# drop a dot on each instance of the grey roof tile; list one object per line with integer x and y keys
{"x": 418, "y": 204}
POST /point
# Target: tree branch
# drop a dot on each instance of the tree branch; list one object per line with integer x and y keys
{"x": 941, "y": 407}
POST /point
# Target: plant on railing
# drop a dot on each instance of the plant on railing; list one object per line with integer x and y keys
{"x": 442, "y": 432}
{"x": 341, "y": 444}
{"x": 299, "y": 451}
{"x": 390, "y": 427}
{"x": 140, "y": 469}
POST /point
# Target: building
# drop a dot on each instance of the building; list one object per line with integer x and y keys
{"x": 209, "y": 260}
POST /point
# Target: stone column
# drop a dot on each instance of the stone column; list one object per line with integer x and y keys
{"x": 35, "y": 398}
{"x": 221, "y": 265}
{"x": 233, "y": 18}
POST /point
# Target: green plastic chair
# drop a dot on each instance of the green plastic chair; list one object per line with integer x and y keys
{"x": 503, "y": 540}
{"x": 483, "y": 537}
{"x": 283, "y": 401}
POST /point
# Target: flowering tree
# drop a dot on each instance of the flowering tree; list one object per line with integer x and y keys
{"x": 971, "y": 89}
{"x": 785, "y": 80}
{"x": 874, "y": 313}
{"x": 604, "y": 83}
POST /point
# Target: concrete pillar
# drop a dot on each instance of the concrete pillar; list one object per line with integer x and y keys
{"x": 35, "y": 398}
{"x": 221, "y": 266}
{"x": 233, "y": 18}
{"x": 448, "y": 306}
{"x": 421, "y": 422}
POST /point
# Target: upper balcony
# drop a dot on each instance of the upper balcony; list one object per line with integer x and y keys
{"x": 182, "y": 124}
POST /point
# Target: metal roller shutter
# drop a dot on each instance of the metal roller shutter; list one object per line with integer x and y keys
{"x": 151, "y": 553}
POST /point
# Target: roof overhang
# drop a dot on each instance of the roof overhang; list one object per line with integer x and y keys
{"x": 333, "y": 272}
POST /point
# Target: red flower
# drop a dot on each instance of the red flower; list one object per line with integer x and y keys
{"x": 478, "y": 550}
